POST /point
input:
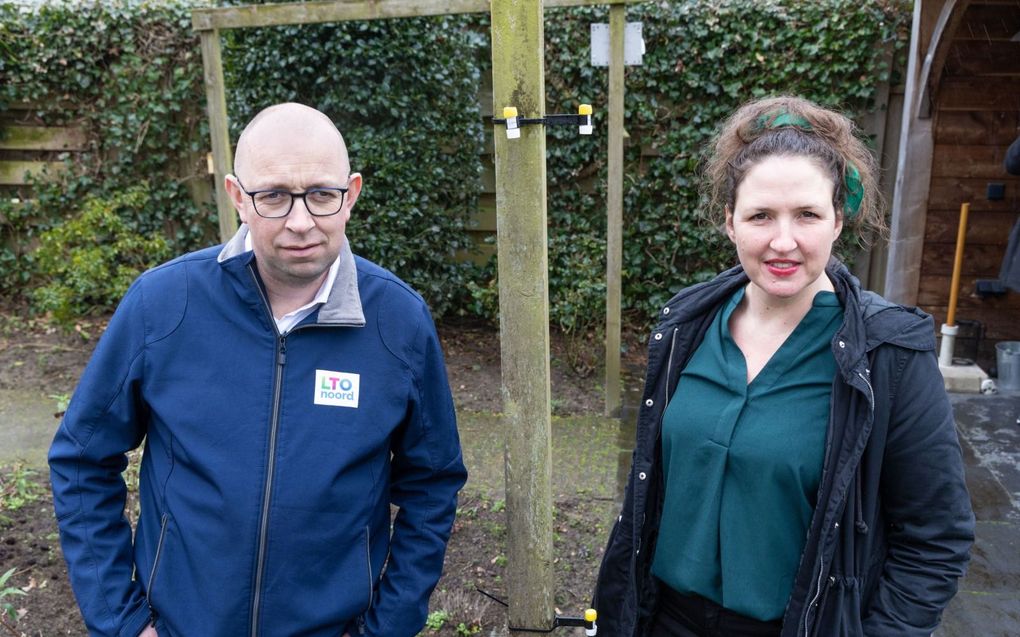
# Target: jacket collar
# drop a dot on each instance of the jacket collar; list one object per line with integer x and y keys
{"x": 869, "y": 319}
{"x": 343, "y": 307}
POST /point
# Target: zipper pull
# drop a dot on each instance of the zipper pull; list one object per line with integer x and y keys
{"x": 282, "y": 359}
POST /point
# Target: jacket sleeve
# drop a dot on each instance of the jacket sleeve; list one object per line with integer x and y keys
{"x": 1012, "y": 161}
{"x": 427, "y": 471}
{"x": 926, "y": 504}
{"x": 87, "y": 458}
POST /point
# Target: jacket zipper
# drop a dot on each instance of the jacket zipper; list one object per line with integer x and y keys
{"x": 669, "y": 371}
{"x": 281, "y": 359}
{"x": 155, "y": 563}
{"x": 821, "y": 560}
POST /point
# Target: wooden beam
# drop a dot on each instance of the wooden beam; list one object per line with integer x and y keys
{"x": 265, "y": 15}
{"x": 17, "y": 173}
{"x": 518, "y": 80}
{"x": 980, "y": 94}
{"x": 216, "y": 103}
{"x": 614, "y": 205}
{"x": 993, "y": 128}
{"x": 988, "y": 23}
{"x": 984, "y": 162}
{"x": 913, "y": 176}
{"x": 949, "y": 20}
{"x": 42, "y": 138}
{"x": 983, "y": 58}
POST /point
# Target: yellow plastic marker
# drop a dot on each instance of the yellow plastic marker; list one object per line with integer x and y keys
{"x": 590, "y": 615}
{"x": 584, "y": 110}
{"x": 513, "y": 131}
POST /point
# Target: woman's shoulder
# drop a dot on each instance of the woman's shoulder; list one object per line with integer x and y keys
{"x": 886, "y": 322}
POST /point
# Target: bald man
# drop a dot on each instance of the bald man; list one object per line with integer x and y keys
{"x": 288, "y": 393}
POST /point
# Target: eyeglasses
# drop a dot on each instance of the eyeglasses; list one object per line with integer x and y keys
{"x": 273, "y": 203}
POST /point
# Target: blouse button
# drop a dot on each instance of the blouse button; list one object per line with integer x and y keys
{"x": 642, "y": 475}
{"x": 649, "y": 402}
{"x": 658, "y": 336}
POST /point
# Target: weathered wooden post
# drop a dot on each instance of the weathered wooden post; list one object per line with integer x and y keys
{"x": 518, "y": 78}
{"x": 216, "y": 100}
{"x": 614, "y": 208}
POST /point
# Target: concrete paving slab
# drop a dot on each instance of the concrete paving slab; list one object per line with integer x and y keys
{"x": 988, "y": 603}
{"x": 27, "y": 425}
{"x": 963, "y": 378}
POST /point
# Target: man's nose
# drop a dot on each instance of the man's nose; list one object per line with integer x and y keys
{"x": 300, "y": 219}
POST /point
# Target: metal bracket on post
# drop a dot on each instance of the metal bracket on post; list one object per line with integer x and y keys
{"x": 513, "y": 123}
{"x": 587, "y": 621}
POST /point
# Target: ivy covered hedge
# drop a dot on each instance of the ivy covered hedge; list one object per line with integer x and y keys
{"x": 404, "y": 93}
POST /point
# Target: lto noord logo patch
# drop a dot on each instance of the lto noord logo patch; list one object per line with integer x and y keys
{"x": 336, "y": 389}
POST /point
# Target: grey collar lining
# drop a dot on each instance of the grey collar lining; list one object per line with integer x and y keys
{"x": 343, "y": 307}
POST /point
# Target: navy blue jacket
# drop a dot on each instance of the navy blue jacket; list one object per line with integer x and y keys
{"x": 270, "y": 462}
{"x": 893, "y": 526}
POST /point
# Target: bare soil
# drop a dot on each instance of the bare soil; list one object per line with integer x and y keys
{"x": 34, "y": 354}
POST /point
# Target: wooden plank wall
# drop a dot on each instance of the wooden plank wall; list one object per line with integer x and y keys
{"x": 977, "y": 116}
{"x": 28, "y": 147}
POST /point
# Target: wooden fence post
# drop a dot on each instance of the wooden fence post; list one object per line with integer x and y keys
{"x": 614, "y": 208}
{"x": 518, "y": 77}
{"x": 216, "y": 100}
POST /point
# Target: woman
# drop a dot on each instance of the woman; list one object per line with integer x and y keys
{"x": 796, "y": 470}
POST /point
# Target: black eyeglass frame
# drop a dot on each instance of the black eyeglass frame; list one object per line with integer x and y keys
{"x": 293, "y": 197}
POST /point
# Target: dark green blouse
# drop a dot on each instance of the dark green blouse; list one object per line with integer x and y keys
{"x": 742, "y": 463}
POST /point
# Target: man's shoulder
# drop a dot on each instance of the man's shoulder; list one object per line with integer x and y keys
{"x": 178, "y": 265}
{"x": 372, "y": 278}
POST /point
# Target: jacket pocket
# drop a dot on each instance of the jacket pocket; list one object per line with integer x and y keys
{"x": 368, "y": 569}
{"x": 840, "y": 610}
{"x": 160, "y": 546}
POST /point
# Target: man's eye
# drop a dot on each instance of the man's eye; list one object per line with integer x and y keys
{"x": 324, "y": 196}
{"x": 271, "y": 196}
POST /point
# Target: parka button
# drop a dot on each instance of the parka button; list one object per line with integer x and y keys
{"x": 658, "y": 336}
{"x": 642, "y": 475}
{"x": 842, "y": 345}
{"x": 665, "y": 310}
{"x": 649, "y": 402}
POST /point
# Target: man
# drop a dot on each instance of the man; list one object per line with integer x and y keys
{"x": 288, "y": 393}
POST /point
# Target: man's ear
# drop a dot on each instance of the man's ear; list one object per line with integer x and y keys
{"x": 236, "y": 194}
{"x": 353, "y": 190}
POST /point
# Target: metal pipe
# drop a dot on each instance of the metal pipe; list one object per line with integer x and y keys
{"x": 949, "y": 328}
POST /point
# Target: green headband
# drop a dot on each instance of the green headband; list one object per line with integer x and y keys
{"x": 851, "y": 176}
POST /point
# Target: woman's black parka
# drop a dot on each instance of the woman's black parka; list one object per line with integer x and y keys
{"x": 893, "y": 526}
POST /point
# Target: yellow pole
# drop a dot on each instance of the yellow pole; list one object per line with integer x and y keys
{"x": 954, "y": 287}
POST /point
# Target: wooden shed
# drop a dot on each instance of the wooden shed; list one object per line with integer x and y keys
{"x": 961, "y": 112}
